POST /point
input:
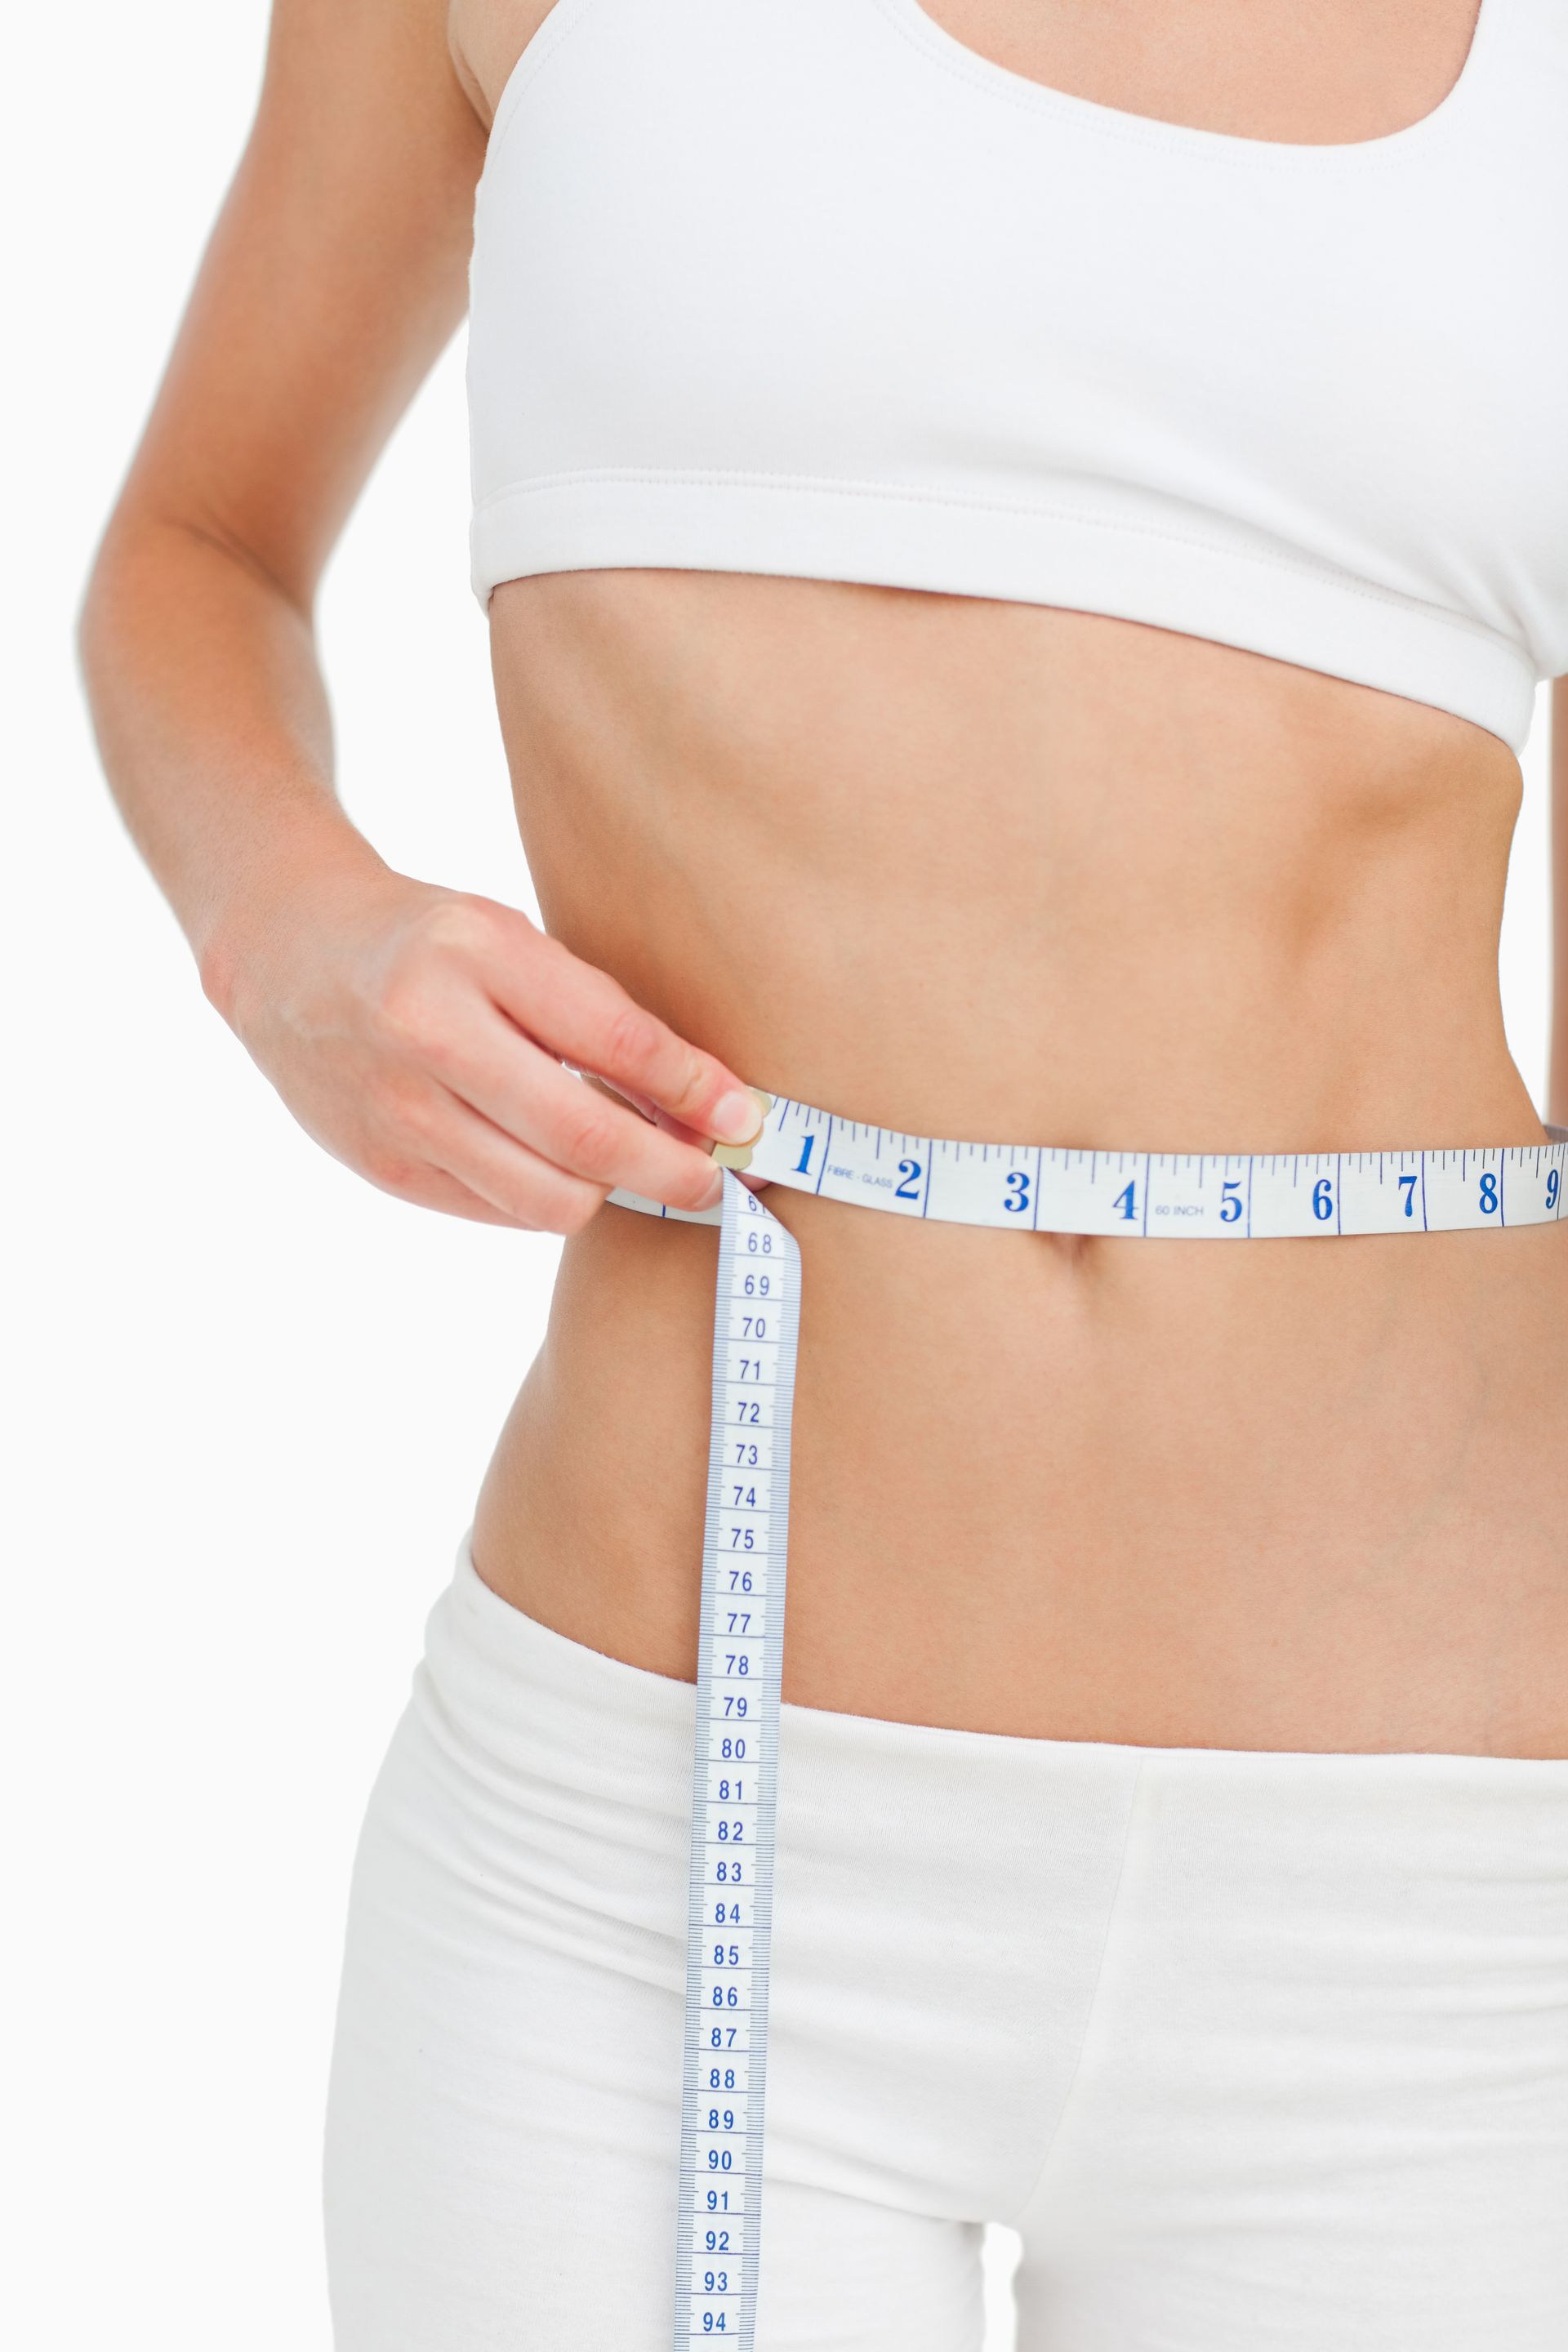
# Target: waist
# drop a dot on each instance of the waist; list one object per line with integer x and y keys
{"x": 1276, "y": 1495}
{"x": 1051, "y": 878}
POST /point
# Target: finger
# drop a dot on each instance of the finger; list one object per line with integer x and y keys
{"x": 673, "y": 1126}
{"x": 526, "y": 1188}
{"x": 644, "y": 1103}
{"x": 579, "y": 1127}
{"x": 664, "y": 1120}
{"x": 424, "y": 1187}
{"x": 649, "y": 1110}
{"x": 585, "y": 1016}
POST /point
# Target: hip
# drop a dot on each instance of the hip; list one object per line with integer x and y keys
{"x": 1275, "y": 1497}
{"x": 1203, "y": 2025}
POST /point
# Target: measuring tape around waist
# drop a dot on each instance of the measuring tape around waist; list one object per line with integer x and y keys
{"x": 756, "y": 1328}
{"x": 1241, "y": 1196}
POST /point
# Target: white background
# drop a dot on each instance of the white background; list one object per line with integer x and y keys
{"x": 251, "y": 1398}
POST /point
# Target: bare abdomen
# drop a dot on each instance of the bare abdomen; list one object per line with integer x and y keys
{"x": 1021, "y": 875}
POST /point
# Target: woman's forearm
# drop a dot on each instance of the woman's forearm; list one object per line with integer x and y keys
{"x": 418, "y": 1033}
{"x": 1557, "y": 1084}
{"x": 213, "y": 725}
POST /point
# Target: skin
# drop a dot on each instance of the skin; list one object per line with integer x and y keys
{"x": 1040, "y": 875}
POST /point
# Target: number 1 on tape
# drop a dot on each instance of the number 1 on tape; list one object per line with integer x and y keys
{"x": 735, "y": 1781}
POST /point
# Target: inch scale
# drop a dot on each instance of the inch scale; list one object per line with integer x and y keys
{"x": 1225, "y": 1196}
{"x": 756, "y": 1329}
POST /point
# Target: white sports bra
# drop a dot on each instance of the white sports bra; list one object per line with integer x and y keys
{"x": 807, "y": 286}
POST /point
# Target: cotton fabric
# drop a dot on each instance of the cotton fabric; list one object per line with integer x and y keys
{"x": 1260, "y": 2053}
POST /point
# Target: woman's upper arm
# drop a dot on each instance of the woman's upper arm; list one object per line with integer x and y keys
{"x": 335, "y": 274}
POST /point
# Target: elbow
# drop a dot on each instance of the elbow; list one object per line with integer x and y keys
{"x": 86, "y": 632}
{"x": 99, "y": 608}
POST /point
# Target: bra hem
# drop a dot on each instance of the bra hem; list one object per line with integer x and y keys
{"x": 1245, "y": 595}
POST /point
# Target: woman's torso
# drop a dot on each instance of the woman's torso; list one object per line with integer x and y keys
{"x": 1036, "y": 872}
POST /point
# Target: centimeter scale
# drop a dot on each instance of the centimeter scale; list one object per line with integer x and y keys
{"x": 1036, "y": 1189}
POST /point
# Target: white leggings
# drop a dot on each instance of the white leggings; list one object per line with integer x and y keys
{"x": 1259, "y": 2052}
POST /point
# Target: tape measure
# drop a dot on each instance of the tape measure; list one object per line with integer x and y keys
{"x": 1238, "y": 1196}
{"x": 756, "y": 1327}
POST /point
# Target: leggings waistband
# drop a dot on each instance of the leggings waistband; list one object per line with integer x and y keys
{"x": 528, "y": 1699}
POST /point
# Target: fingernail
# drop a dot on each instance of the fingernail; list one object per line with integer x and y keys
{"x": 715, "y": 1192}
{"x": 738, "y": 1117}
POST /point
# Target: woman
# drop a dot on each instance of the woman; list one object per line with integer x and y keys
{"x": 1018, "y": 541}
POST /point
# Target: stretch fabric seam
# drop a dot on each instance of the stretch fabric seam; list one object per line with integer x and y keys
{"x": 906, "y": 494}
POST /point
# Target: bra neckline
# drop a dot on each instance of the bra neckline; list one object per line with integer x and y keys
{"x": 1092, "y": 115}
